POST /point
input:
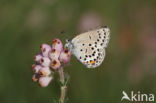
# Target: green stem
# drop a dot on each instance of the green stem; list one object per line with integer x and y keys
{"x": 63, "y": 87}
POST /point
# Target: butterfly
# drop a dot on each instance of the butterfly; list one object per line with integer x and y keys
{"x": 89, "y": 47}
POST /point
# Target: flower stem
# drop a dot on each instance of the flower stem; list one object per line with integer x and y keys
{"x": 63, "y": 87}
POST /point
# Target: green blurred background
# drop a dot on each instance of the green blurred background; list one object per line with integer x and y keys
{"x": 130, "y": 63}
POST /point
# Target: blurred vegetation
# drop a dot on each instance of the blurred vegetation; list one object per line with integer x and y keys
{"x": 129, "y": 63}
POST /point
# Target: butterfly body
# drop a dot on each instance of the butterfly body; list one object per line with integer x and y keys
{"x": 89, "y": 47}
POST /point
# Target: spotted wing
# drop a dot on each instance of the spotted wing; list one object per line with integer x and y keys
{"x": 89, "y": 47}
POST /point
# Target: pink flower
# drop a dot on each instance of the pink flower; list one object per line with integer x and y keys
{"x": 36, "y": 68}
{"x": 57, "y": 45}
{"x": 37, "y": 58}
{"x": 45, "y": 61}
{"x": 55, "y": 64}
{"x": 45, "y": 71}
{"x": 35, "y": 77}
{"x": 49, "y": 58}
{"x": 45, "y": 48}
{"x": 65, "y": 56}
{"x": 44, "y": 81}
{"x": 54, "y": 54}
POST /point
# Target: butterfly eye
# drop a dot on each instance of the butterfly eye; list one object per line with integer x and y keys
{"x": 68, "y": 40}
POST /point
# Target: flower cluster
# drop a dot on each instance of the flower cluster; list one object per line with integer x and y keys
{"x": 49, "y": 60}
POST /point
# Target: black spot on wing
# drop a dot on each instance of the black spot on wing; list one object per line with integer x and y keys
{"x": 84, "y": 59}
{"x": 93, "y": 54}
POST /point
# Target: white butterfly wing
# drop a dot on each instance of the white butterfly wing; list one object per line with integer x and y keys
{"x": 89, "y": 47}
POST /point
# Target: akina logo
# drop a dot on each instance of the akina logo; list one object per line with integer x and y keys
{"x": 138, "y": 96}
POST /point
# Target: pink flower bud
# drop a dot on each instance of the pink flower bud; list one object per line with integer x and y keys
{"x": 35, "y": 77}
{"x": 45, "y": 61}
{"x": 36, "y": 68}
{"x": 57, "y": 44}
{"x": 53, "y": 54}
{"x": 55, "y": 64}
{"x": 45, "y": 48}
{"x": 44, "y": 81}
{"x": 45, "y": 71}
{"x": 38, "y": 57}
{"x": 65, "y": 56}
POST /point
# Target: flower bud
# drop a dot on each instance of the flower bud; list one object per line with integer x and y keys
{"x": 53, "y": 54}
{"x": 45, "y": 71}
{"x": 57, "y": 44}
{"x": 55, "y": 64}
{"x": 45, "y": 61}
{"x": 36, "y": 68}
{"x": 44, "y": 81}
{"x": 37, "y": 58}
{"x": 35, "y": 77}
{"x": 45, "y": 48}
{"x": 65, "y": 56}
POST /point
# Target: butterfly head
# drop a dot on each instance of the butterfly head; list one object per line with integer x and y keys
{"x": 69, "y": 45}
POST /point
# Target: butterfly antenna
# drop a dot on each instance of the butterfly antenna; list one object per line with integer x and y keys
{"x": 104, "y": 26}
{"x": 64, "y": 35}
